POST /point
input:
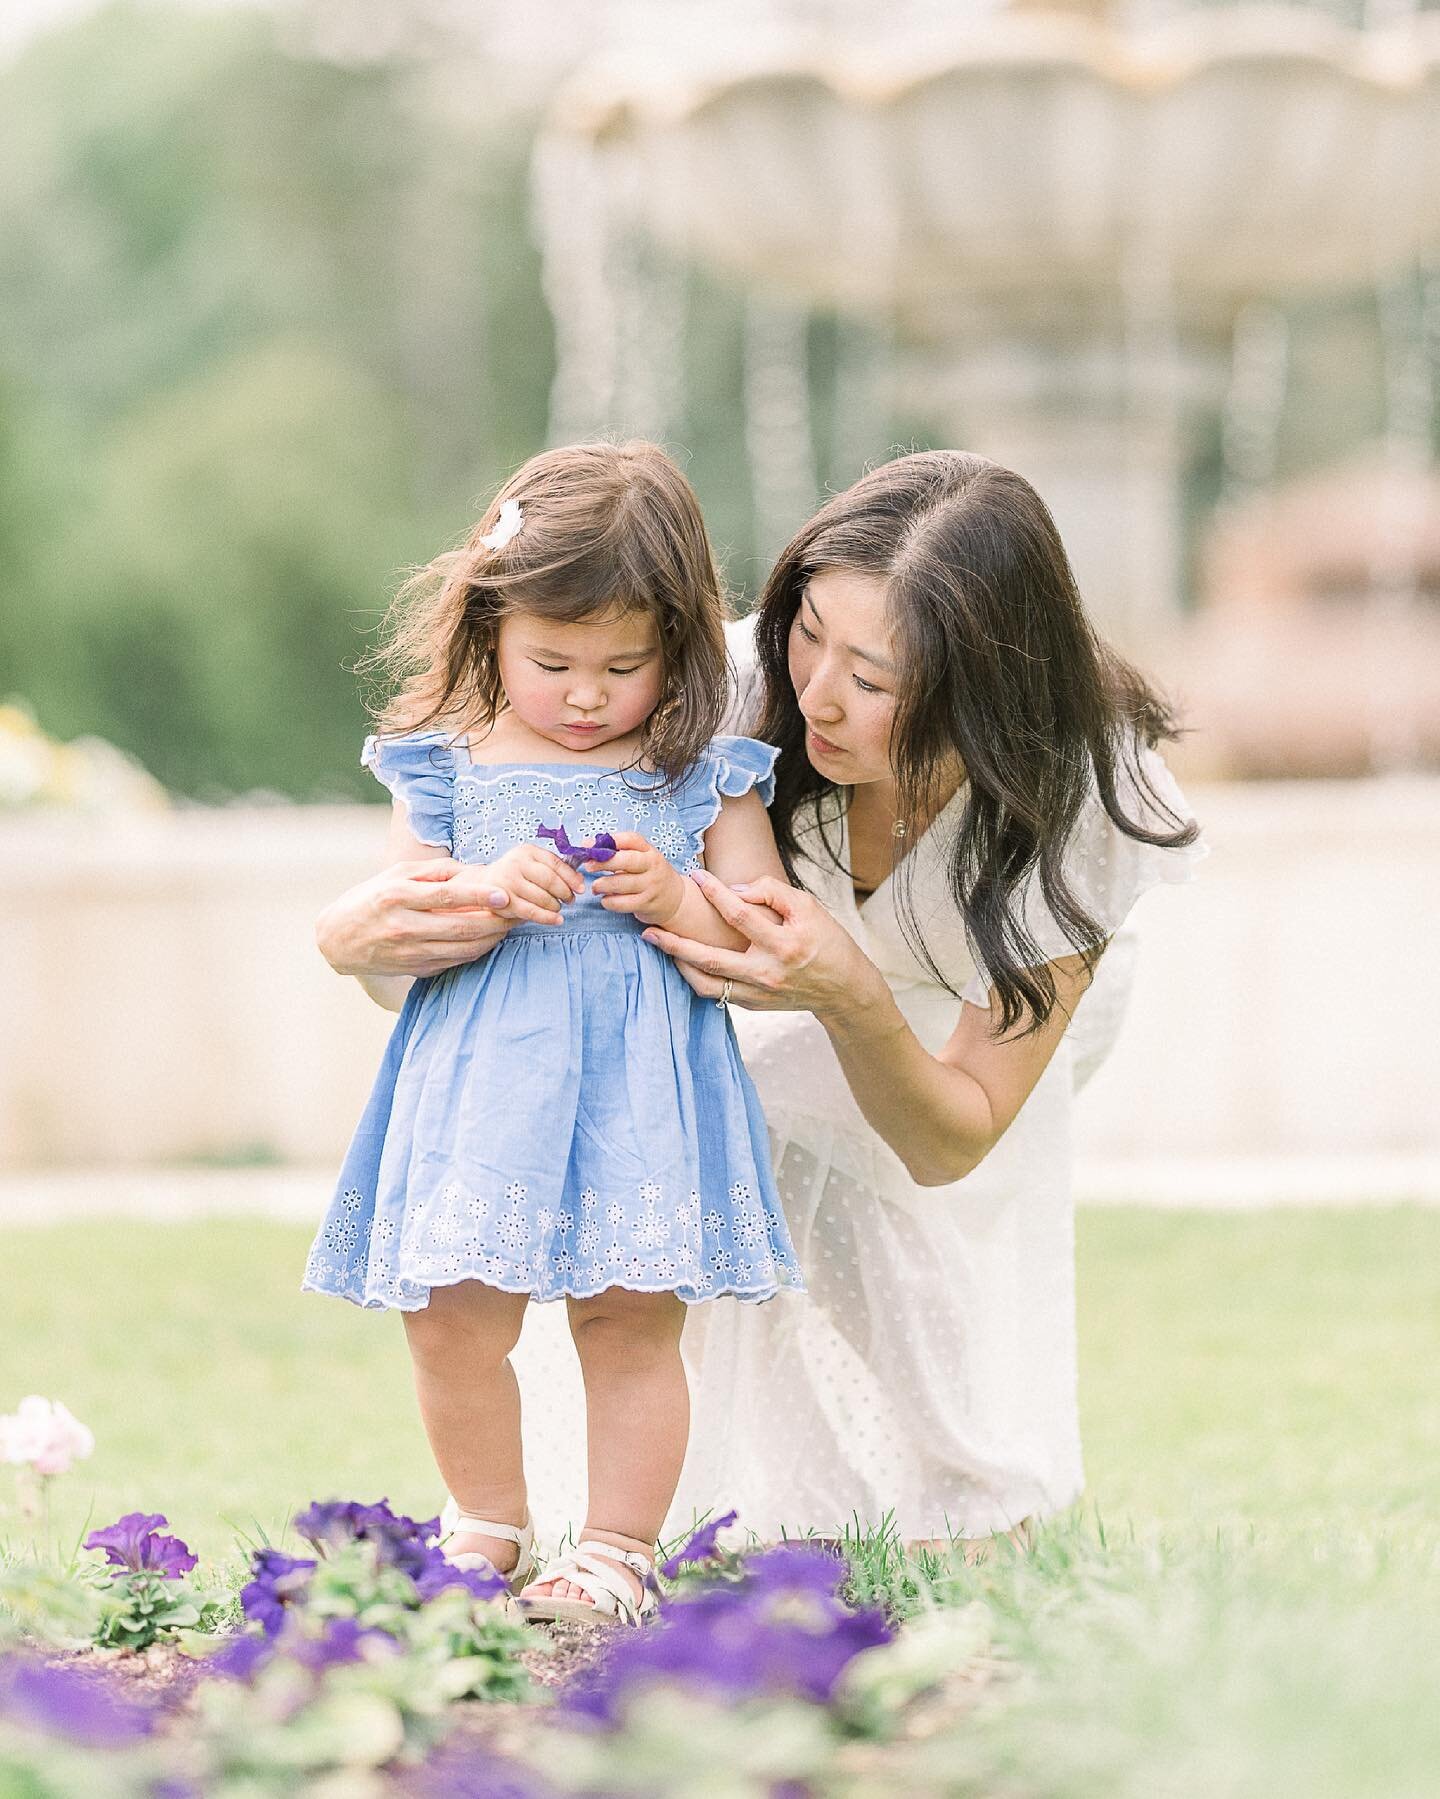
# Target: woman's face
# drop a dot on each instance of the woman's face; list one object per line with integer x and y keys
{"x": 843, "y": 671}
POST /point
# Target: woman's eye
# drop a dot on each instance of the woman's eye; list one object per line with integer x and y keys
{"x": 865, "y": 686}
{"x": 806, "y": 632}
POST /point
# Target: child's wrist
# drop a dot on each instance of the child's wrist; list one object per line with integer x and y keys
{"x": 669, "y": 908}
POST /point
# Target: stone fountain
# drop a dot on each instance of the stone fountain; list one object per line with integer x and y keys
{"x": 1059, "y": 219}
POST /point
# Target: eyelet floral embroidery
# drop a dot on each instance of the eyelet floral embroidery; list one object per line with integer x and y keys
{"x": 398, "y": 1227}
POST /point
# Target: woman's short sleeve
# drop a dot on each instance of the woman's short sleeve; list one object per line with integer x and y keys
{"x": 730, "y": 768}
{"x": 1107, "y": 870}
{"x": 742, "y": 709}
{"x": 420, "y": 771}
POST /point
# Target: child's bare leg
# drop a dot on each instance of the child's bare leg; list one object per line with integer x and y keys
{"x": 637, "y": 1414}
{"x": 460, "y": 1345}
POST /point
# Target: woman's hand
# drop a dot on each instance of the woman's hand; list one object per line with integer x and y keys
{"x": 414, "y": 918}
{"x": 798, "y": 960}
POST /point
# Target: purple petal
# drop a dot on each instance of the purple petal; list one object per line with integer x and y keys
{"x": 123, "y": 1540}
{"x": 779, "y": 1630}
{"x": 701, "y": 1546}
{"x": 439, "y": 1573}
{"x": 556, "y": 834}
{"x": 68, "y": 1703}
{"x": 168, "y": 1556}
{"x": 280, "y": 1581}
{"x": 240, "y": 1658}
{"x": 342, "y": 1640}
{"x": 601, "y": 850}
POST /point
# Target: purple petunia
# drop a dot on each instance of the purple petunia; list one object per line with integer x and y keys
{"x": 779, "y": 1630}
{"x": 342, "y": 1640}
{"x": 65, "y": 1702}
{"x": 334, "y": 1523}
{"x": 601, "y": 850}
{"x": 468, "y": 1771}
{"x": 241, "y": 1658}
{"x": 700, "y": 1548}
{"x": 279, "y": 1581}
{"x": 400, "y": 1542}
{"x": 439, "y": 1573}
{"x": 132, "y": 1542}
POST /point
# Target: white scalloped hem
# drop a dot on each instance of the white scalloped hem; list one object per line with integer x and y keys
{"x": 752, "y": 1295}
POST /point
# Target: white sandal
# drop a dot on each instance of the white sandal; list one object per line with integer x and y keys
{"x": 454, "y": 1523}
{"x": 612, "y": 1599}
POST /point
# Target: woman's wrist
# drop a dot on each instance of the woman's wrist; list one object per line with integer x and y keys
{"x": 863, "y": 1005}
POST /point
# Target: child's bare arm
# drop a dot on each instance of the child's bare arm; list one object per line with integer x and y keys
{"x": 739, "y": 846}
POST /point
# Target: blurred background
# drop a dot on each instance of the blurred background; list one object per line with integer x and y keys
{"x": 286, "y": 289}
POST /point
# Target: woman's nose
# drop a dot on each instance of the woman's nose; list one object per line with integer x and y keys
{"x": 819, "y": 700}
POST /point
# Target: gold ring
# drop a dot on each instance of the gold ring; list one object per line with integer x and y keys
{"x": 724, "y": 999}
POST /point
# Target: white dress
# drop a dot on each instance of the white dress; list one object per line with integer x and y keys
{"x": 929, "y": 1375}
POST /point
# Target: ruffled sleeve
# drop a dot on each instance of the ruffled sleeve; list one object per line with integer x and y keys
{"x": 730, "y": 767}
{"x": 1107, "y": 870}
{"x": 419, "y": 771}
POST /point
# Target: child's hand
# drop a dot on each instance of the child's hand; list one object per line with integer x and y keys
{"x": 538, "y": 883}
{"x": 638, "y": 879}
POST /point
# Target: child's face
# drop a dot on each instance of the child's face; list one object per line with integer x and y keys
{"x": 584, "y": 684}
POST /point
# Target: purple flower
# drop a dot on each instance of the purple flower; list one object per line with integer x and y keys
{"x": 798, "y": 1568}
{"x": 67, "y": 1703}
{"x": 779, "y": 1630}
{"x": 334, "y": 1523}
{"x": 438, "y": 1573}
{"x": 339, "y": 1642}
{"x": 601, "y": 850}
{"x": 280, "y": 1581}
{"x": 401, "y": 1542}
{"x": 241, "y": 1658}
{"x": 473, "y": 1772}
{"x": 700, "y": 1548}
{"x": 131, "y": 1542}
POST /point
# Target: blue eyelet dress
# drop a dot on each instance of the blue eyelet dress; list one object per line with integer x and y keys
{"x": 563, "y": 1115}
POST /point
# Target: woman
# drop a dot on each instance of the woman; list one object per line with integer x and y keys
{"x": 969, "y": 801}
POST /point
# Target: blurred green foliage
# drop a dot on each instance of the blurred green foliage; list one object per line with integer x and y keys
{"x": 273, "y": 327}
{"x": 269, "y": 328}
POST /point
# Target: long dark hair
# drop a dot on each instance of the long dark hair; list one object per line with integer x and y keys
{"x": 998, "y": 665}
{"x": 605, "y": 525}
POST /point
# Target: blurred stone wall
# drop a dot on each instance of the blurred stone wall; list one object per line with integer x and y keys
{"x": 164, "y": 1001}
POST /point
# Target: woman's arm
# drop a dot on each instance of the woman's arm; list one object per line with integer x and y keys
{"x": 423, "y": 913}
{"x": 941, "y": 1114}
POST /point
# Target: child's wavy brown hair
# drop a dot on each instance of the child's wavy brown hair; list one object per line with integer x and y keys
{"x": 606, "y": 526}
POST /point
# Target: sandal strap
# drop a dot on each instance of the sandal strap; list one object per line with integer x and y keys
{"x": 454, "y": 1522}
{"x": 603, "y": 1585}
{"x": 636, "y": 1560}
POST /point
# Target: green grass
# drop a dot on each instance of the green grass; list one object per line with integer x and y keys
{"x": 1245, "y": 1606}
{"x": 1272, "y": 1371}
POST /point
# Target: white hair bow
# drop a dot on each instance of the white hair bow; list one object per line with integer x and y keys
{"x": 506, "y": 526}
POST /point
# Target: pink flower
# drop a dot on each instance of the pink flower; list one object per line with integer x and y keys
{"x": 43, "y": 1434}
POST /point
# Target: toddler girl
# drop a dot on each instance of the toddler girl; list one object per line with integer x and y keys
{"x": 564, "y": 1116}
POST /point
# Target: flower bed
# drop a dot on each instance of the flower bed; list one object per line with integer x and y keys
{"x": 365, "y": 1659}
